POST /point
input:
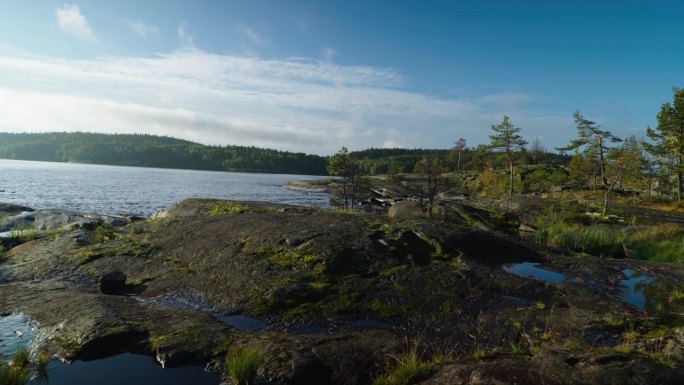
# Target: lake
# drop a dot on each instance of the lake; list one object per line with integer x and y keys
{"x": 139, "y": 191}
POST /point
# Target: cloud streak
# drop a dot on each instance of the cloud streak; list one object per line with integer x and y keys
{"x": 186, "y": 40}
{"x": 71, "y": 21}
{"x": 293, "y": 104}
{"x": 251, "y": 34}
{"x": 143, "y": 30}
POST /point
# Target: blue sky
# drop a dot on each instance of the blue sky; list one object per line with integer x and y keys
{"x": 313, "y": 76}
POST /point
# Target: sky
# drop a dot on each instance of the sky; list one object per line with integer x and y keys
{"x": 313, "y": 76}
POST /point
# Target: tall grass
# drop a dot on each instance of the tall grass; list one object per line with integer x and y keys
{"x": 242, "y": 364}
{"x": 662, "y": 243}
{"x": 599, "y": 240}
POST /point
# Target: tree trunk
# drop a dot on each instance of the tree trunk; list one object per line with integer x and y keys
{"x": 602, "y": 163}
{"x": 510, "y": 180}
{"x": 458, "y": 162}
{"x": 680, "y": 178}
{"x": 605, "y": 199}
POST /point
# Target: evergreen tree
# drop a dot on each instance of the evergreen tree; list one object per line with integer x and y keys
{"x": 459, "y": 147}
{"x": 506, "y": 138}
{"x": 669, "y": 138}
{"x": 345, "y": 167}
{"x": 596, "y": 141}
{"x": 431, "y": 174}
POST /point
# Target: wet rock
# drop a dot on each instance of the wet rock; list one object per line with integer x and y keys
{"x": 12, "y": 209}
{"x": 113, "y": 282}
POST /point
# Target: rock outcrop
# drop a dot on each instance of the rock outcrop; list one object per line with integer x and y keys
{"x": 341, "y": 294}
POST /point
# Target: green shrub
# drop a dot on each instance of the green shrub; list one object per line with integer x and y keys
{"x": 104, "y": 232}
{"x": 242, "y": 363}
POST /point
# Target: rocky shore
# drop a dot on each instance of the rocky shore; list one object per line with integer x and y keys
{"x": 333, "y": 298}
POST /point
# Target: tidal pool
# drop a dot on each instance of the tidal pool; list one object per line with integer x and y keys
{"x": 530, "y": 270}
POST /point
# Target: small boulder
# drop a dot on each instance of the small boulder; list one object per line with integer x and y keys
{"x": 113, "y": 282}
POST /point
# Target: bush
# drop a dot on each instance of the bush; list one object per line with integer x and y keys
{"x": 242, "y": 364}
{"x": 104, "y": 232}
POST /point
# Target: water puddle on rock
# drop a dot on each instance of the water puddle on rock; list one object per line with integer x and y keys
{"x": 515, "y": 300}
{"x": 370, "y": 324}
{"x": 633, "y": 288}
{"x": 127, "y": 368}
{"x": 309, "y": 329}
{"x": 180, "y": 302}
{"x": 16, "y": 331}
{"x": 530, "y": 270}
{"x": 243, "y": 322}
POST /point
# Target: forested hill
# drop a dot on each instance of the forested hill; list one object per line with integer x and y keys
{"x": 154, "y": 151}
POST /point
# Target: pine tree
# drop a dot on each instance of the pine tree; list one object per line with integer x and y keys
{"x": 595, "y": 139}
{"x": 507, "y": 139}
{"x": 668, "y": 136}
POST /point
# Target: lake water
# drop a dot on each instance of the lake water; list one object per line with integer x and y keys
{"x": 137, "y": 190}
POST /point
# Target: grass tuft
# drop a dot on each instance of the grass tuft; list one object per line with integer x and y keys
{"x": 18, "y": 371}
{"x": 242, "y": 364}
{"x": 23, "y": 233}
{"x": 409, "y": 368}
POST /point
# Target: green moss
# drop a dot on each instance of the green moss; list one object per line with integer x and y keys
{"x": 385, "y": 309}
{"x": 157, "y": 341}
{"x": 128, "y": 246}
{"x": 447, "y": 309}
{"x": 224, "y": 207}
{"x": 70, "y": 347}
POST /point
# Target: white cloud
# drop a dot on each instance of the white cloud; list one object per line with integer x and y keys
{"x": 186, "y": 40}
{"x": 294, "y": 104}
{"x": 328, "y": 54}
{"x": 143, "y": 30}
{"x": 251, "y": 34}
{"x": 71, "y": 21}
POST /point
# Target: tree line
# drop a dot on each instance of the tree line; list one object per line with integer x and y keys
{"x": 154, "y": 151}
{"x": 595, "y": 159}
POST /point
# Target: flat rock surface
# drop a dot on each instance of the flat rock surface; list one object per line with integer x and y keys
{"x": 312, "y": 275}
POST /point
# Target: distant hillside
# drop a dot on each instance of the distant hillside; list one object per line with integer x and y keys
{"x": 154, "y": 151}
